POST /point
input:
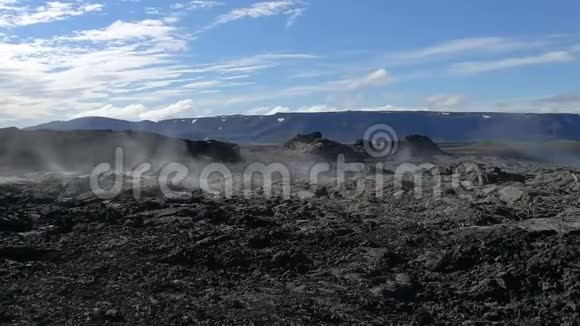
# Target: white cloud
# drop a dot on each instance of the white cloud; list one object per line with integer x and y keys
{"x": 561, "y": 99}
{"x": 12, "y": 15}
{"x": 294, "y": 15}
{"x": 291, "y": 8}
{"x": 197, "y": 4}
{"x": 41, "y": 77}
{"x": 129, "y": 112}
{"x": 555, "y": 103}
{"x": 152, "y": 11}
{"x": 137, "y": 112}
{"x": 475, "y": 67}
{"x": 325, "y": 108}
{"x": 7, "y": 4}
{"x": 126, "y": 62}
{"x": 375, "y": 78}
{"x": 344, "y": 86}
{"x": 569, "y": 102}
{"x": 265, "y": 110}
{"x": 158, "y": 31}
{"x": 204, "y": 84}
{"x": 169, "y": 111}
{"x": 445, "y": 101}
{"x": 235, "y": 77}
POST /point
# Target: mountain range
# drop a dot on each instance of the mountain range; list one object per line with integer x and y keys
{"x": 347, "y": 126}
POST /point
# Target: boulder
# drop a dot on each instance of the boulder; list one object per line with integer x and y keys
{"x": 551, "y": 225}
{"x": 511, "y": 195}
{"x": 401, "y": 289}
{"x": 496, "y": 175}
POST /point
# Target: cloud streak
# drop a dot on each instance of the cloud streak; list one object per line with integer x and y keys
{"x": 197, "y": 5}
{"x": 475, "y": 45}
{"x": 12, "y": 15}
{"x": 325, "y": 108}
{"x": 135, "y": 112}
{"x": 291, "y": 8}
{"x": 475, "y": 67}
{"x": 375, "y": 78}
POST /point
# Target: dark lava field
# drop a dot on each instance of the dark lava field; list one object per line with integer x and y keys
{"x": 500, "y": 249}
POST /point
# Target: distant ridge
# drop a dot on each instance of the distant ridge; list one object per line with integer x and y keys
{"x": 347, "y": 126}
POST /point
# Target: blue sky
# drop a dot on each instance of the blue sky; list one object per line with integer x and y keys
{"x": 154, "y": 60}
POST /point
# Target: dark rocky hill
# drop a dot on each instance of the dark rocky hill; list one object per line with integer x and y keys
{"x": 347, "y": 127}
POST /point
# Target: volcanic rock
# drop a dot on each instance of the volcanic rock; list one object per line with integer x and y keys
{"x": 113, "y": 315}
{"x": 316, "y": 147}
{"x": 511, "y": 195}
{"x": 15, "y": 222}
{"x": 552, "y": 225}
{"x": 401, "y": 288}
{"x": 297, "y": 261}
{"x": 27, "y": 253}
{"x": 496, "y": 175}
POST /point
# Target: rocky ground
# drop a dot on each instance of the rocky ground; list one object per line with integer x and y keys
{"x": 503, "y": 248}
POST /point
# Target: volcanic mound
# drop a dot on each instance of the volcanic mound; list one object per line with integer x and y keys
{"x": 314, "y": 146}
{"x": 418, "y": 146}
{"x": 412, "y": 147}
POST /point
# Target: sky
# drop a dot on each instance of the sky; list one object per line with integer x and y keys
{"x": 155, "y": 60}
